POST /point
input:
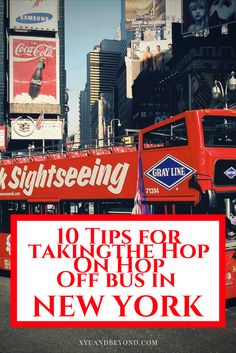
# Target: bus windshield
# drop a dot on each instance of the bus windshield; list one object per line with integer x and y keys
{"x": 219, "y": 131}
{"x": 168, "y": 135}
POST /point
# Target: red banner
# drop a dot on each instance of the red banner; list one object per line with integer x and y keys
{"x": 88, "y": 175}
{"x": 69, "y": 178}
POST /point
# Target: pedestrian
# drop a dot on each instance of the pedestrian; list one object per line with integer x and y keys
{"x": 168, "y": 53}
{"x": 158, "y": 59}
{"x": 147, "y": 60}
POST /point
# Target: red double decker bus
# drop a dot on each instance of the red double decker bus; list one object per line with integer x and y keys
{"x": 187, "y": 164}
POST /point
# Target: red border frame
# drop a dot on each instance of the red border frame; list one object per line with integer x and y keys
{"x": 117, "y": 324}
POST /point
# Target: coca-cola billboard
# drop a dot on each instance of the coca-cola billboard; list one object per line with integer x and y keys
{"x": 34, "y": 75}
{"x": 34, "y": 14}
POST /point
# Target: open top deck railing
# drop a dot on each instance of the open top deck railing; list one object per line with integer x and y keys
{"x": 69, "y": 150}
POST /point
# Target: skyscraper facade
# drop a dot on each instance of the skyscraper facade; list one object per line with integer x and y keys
{"x": 61, "y": 33}
{"x": 102, "y": 67}
{"x": 84, "y": 124}
{"x": 2, "y": 61}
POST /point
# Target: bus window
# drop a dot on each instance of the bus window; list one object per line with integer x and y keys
{"x": 7, "y": 208}
{"x": 35, "y": 208}
{"x": 51, "y": 208}
{"x": 219, "y": 131}
{"x": 74, "y": 207}
{"x": 43, "y": 208}
{"x": 169, "y": 135}
{"x": 114, "y": 207}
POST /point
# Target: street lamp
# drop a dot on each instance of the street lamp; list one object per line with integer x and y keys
{"x": 110, "y": 130}
{"x": 219, "y": 92}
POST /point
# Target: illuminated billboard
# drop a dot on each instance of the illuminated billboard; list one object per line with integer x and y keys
{"x": 143, "y": 13}
{"x": 28, "y": 129}
{"x": 34, "y": 75}
{"x": 34, "y": 15}
{"x": 3, "y": 138}
{"x": 200, "y": 15}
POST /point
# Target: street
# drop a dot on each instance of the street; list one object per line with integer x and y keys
{"x": 113, "y": 340}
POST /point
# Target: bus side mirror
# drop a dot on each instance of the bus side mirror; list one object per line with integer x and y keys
{"x": 212, "y": 199}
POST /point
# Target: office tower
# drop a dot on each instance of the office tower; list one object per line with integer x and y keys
{"x": 84, "y": 123}
{"x": 2, "y": 62}
{"x": 102, "y": 67}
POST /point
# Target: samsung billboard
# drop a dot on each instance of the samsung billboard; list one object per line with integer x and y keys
{"x": 34, "y": 14}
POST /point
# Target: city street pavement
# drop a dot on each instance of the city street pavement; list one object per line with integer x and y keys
{"x": 87, "y": 340}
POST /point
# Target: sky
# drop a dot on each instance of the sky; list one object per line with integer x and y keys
{"x": 87, "y": 23}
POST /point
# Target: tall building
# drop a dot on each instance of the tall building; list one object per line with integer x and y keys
{"x": 197, "y": 65}
{"x": 102, "y": 67}
{"x": 2, "y": 61}
{"x": 150, "y": 99}
{"x": 138, "y": 37}
{"x": 84, "y": 124}
{"x": 61, "y": 34}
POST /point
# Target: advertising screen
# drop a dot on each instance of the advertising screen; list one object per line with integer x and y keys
{"x": 3, "y": 138}
{"x": 34, "y": 15}
{"x": 34, "y": 75}
{"x": 142, "y": 13}
{"x": 200, "y": 15}
{"x": 27, "y": 128}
